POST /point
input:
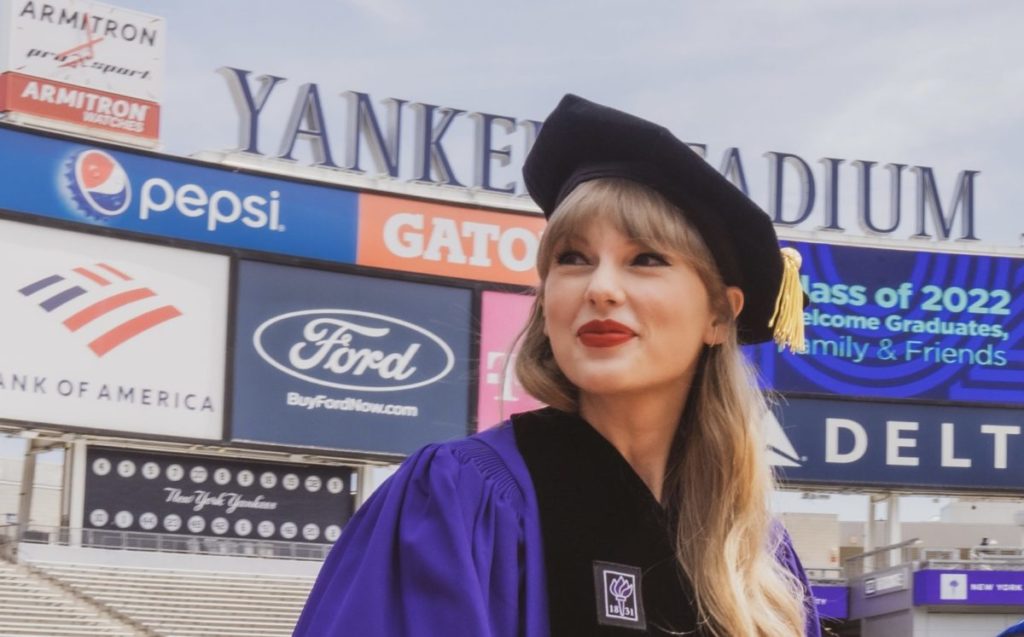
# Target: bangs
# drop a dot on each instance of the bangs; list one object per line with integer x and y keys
{"x": 638, "y": 212}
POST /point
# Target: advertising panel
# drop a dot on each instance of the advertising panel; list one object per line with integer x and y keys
{"x": 900, "y": 445}
{"x": 111, "y": 334}
{"x": 832, "y": 601}
{"x": 60, "y": 103}
{"x": 348, "y": 362}
{"x": 127, "y": 490}
{"x": 502, "y": 317}
{"x": 974, "y": 588}
{"x": 433, "y": 238}
{"x": 83, "y": 63}
{"x": 138, "y": 193}
{"x": 898, "y": 324}
{"x": 887, "y": 582}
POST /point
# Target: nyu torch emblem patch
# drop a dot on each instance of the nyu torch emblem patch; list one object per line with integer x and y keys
{"x": 619, "y": 601}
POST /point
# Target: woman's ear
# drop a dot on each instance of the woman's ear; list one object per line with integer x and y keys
{"x": 716, "y": 331}
{"x": 735, "y": 296}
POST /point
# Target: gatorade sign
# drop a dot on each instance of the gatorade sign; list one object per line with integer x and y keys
{"x": 445, "y": 240}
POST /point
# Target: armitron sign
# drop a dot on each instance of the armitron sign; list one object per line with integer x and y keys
{"x": 83, "y": 67}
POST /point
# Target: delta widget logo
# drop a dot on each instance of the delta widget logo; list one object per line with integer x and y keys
{"x": 98, "y": 184}
{"x": 781, "y": 452}
{"x": 101, "y": 304}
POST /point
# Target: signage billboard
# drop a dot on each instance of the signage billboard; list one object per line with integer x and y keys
{"x": 59, "y": 103}
{"x": 900, "y": 445}
{"x": 897, "y": 324}
{"x": 432, "y": 238}
{"x": 832, "y": 602}
{"x": 974, "y": 588}
{"x": 110, "y": 334}
{"x": 784, "y": 185}
{"x": 348, "y": 362}
{"x": 885, "y": 582}
{"x": 127, "y": 490}
{"x": 500, "y": 394}
{"x": 79, "y": 63}
{"x": 140, "y": 193}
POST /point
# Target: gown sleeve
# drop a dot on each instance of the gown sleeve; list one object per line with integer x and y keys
{"x": 435, "y": 551}
{"x": 787, "y": 556}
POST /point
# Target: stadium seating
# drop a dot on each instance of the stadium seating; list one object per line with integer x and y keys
{"x": 32, "y": 605}
{"x": 190, "y": 603}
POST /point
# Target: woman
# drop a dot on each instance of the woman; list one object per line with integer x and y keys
{"x": 638, "y": 503}
{"x": 1012, "y": 631}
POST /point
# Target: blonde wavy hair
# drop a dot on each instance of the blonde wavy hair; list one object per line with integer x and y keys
{"x": 718, "y": 480}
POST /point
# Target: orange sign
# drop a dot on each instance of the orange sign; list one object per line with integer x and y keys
{"x": 432, "y": 238}
{"x": 79, "y": 105}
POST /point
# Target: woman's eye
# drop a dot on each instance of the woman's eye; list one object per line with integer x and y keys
{"x": 570, "y": 257}
{"x": 649, "y": 259}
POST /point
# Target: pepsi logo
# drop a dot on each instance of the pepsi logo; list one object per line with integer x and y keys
{"x": 98, "y": 185}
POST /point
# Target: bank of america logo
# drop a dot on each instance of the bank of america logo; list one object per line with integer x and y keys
{"x": 101, "y": 301}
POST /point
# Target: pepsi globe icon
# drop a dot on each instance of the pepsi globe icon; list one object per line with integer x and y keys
{"x": 98, "y": 185}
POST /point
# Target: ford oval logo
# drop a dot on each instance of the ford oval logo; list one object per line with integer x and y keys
{"x": 349, "y": 349}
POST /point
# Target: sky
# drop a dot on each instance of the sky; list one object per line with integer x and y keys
{"x": 935, "y": 83}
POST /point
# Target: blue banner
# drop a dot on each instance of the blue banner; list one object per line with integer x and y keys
{"x": 348, "y": 362}
{"x": 832, "y": 602}
{"x": 139, "y": 193}
{"x": 974, "y": 588}
{"x": 908, "y": 325}
{"x": 898, "y": 445}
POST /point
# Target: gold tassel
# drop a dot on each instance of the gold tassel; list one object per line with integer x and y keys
{"x": 788, "y": 318}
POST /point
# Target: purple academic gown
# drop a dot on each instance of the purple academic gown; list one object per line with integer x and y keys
{"x": 450, "y": 545}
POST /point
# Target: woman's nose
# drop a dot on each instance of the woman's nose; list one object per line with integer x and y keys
{"x": 605, "y": 286}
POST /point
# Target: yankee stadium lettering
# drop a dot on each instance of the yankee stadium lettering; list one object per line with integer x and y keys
{"x": 349, "y": 349}
{"x": 497, "y": 142}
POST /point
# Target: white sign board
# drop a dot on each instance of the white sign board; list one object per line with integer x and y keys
{"x": 109, "y": 334}
{"x": 84, "y": 43}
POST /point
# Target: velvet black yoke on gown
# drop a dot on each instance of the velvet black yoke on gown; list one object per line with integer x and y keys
{"x": 608, "y": 548}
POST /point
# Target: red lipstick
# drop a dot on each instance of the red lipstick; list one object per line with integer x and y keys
{"x": 605, "y": 333}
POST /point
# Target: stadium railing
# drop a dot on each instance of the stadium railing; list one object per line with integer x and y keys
{"x": 978, "y": 558}
{"x": 162, "y": 542}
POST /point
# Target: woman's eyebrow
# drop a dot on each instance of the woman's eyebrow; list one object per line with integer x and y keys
{"x": 643, "y": 243}
{"x": 573, "y": 241}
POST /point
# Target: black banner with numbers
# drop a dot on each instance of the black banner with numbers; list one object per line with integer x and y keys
{"x": 128, "y": 490}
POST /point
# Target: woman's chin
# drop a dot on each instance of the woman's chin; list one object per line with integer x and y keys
{"x": 606, "y": 385}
